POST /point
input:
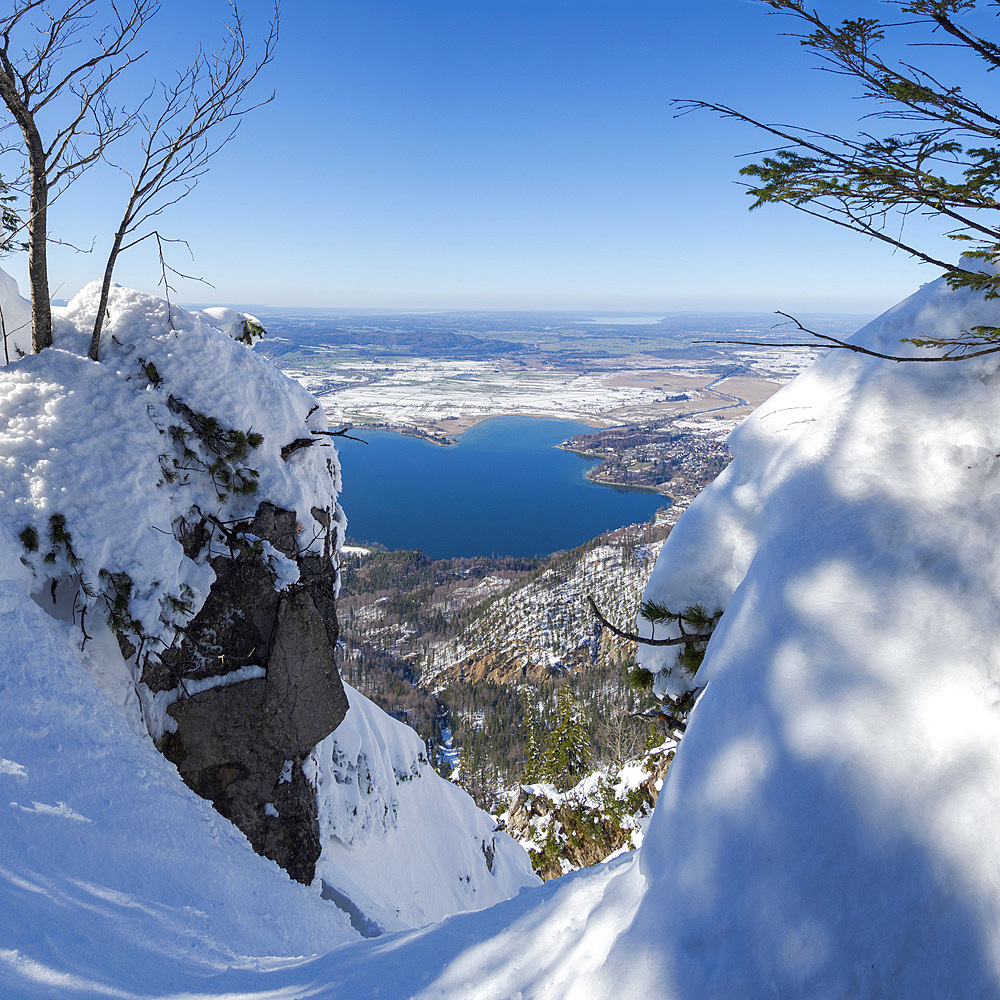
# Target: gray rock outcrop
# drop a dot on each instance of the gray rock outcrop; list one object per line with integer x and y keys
{"x": 242, "y": 744}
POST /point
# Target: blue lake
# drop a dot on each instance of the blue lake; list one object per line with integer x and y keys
{"x": 504, "y": 489}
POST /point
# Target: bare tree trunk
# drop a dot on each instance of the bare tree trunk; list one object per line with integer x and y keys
{"x": 179, "y": 143}
{"x": 102, "y": 308}
{"x": 40, "y": 84}
{"x": 205, "y": 98}
{"x": 38, "y": 266}
{"x": 38, "y": 270}
{"x": 3, "y": 336}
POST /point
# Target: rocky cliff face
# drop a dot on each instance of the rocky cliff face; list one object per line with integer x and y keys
{"x": 259, "y": 660}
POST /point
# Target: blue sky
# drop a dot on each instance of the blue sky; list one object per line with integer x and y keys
{"x": 500, "y": 154}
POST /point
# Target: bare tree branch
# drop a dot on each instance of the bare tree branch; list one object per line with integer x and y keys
{"x": 205, "y": 99}
{"x": 41, "y": 65}
{"x": 680, "y": 640}
{"x": 342, "y": 433}
{"x": 833, "y": 343}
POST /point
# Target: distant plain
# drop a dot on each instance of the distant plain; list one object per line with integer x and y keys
{"x": 442, "y": 373}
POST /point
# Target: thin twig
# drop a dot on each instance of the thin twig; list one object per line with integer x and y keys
{"x": 833, "y": 343}
{"x": 342, "y": 433}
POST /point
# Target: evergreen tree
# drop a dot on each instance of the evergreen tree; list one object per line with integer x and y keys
{"x": 534, "y": 766}
{"x": 567, "y": 746}
{"x": 942, "y": 163}
{"x": 10, "y": 222}
{"x": 533, "y": 763}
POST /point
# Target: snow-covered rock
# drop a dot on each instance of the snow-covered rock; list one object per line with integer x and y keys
{"x": 118, "y": 521}
{"x": 175, "y": 504}
{"x": 111, "y": 870}
{"x": 101, "y": 448}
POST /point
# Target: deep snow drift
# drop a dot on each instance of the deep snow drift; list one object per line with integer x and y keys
{"x": 404, "y": 846}
{"x": 99, "y": 829}
{"x": 827, "y": 828}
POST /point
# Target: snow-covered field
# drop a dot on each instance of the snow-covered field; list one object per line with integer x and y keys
{"x": 827, "y": 829}
{"x": 448, "y": 395}
{"x": 430, "y": 390}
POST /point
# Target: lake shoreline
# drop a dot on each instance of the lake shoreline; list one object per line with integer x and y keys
{"x": 447, "y": 439}
{"x": 507, "y": 490}
{"x": 444, "y": 441}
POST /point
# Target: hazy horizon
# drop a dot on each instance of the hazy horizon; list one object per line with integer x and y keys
{"x": 448, "y": 156}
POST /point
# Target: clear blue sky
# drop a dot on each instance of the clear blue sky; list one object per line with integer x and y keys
{"x": 501, "y": 154}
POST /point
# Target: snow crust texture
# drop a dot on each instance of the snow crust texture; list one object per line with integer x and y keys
{"x": 828, "y": 826}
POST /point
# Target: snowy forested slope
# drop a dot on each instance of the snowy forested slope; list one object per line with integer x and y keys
{"x": 827, "y": 828}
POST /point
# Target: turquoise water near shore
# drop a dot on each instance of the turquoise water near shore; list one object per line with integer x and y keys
{"x": 504, "y": 489}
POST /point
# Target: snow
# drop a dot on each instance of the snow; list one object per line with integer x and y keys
{"x": 437, "y": 393}
{"x": 827, "y": 828}
{"x": 16, "y": 314}
{"x": 837, "y": 786}
{"x": 91, "y": 446}
{"x": 121, "y": 417}
{"x": 447, "y": 753}
{"x": 434, "y": 389}
{"x": 155, "y": 704}
{"x": 387, "y": 819}
{"x": 117, "y": 880}
{"x": 114, "y": 877}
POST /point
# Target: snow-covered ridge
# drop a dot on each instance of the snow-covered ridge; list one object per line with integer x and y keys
{"x": 546, "y": 624}
{"x": 828, "y": 823}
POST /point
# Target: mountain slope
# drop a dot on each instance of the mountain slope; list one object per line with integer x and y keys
{"x": 827, "y": 828}
{"x": 838, "y": 784}
{"x": 401, "y": 846}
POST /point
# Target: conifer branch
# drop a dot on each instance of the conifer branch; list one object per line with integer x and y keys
{"x": 632, "y": 637}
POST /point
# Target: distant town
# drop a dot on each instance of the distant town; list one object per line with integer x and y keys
{"x": 674, "y": 461}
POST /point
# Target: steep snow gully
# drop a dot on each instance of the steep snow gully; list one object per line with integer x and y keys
{"x": 827, "y": 829}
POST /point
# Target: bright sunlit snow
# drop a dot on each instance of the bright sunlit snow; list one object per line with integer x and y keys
{"x": 826, "y": 829}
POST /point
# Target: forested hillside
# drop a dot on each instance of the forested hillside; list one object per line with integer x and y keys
{"x": 473, "y": 652}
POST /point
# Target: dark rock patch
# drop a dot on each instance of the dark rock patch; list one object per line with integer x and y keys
{"x": 242, "y": 744}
